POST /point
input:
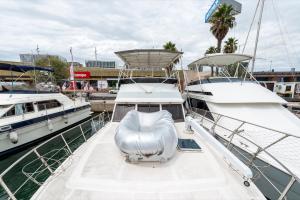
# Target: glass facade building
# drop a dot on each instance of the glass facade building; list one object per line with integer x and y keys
{"x": 102, "y": 64}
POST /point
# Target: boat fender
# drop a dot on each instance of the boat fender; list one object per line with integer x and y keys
{"x": 66, "y": 120}
{"x": 50, "y": 125}
{"x": 13, "y": 137}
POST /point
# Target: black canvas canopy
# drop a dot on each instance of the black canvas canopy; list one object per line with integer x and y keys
{"x": 23, "y": 68}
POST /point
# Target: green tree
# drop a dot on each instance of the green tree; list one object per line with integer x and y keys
{"x": 170, "y": 46}
{"x": 60, "y": 67}
{"x": 221, "y": 21}
{"x": 211, "y": 50}
{"x": 230, "y": 45}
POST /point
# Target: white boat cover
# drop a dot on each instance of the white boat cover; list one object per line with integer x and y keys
{"x": 147, "y": 136}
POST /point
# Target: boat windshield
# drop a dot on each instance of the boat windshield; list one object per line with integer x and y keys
{"x": 4, "y": 108}
{"x": 175, "y": 109}
{"x": 217, "y": 80}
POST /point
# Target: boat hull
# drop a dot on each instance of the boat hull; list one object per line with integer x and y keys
{"x": 39, "y": 130}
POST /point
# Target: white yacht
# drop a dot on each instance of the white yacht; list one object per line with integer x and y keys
{"x": 149, "y": 150}
{"x": 27, "y": 116}
{"x": 249, "y": 116}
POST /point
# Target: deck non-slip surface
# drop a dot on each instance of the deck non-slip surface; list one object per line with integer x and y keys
{"x": 99, "y": 171}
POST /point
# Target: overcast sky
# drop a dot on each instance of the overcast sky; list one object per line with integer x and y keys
{"x": 56, "y": 25}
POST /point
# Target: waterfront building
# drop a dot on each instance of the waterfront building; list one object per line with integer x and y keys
{"x": 75, "y": 64}
{"x": 31, "y": 58}
{"x": 99, "y": 63}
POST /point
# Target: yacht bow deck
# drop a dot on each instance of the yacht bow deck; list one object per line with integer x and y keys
{"x": 98, "y": 171}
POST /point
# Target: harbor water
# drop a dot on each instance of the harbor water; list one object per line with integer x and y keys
{"x": 25, "y": 178}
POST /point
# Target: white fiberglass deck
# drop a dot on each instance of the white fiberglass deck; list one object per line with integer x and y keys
{"x": 97, "y": 170}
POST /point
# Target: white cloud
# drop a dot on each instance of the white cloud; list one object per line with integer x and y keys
{"x": 124, "y": 24}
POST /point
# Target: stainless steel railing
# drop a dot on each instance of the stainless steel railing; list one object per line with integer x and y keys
{"x": 238, "y": 136}
{"x": 23, "y": 178}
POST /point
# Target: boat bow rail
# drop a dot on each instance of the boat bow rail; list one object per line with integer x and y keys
{"x": 252, "y": 142}
{"x": 23, "y": 178}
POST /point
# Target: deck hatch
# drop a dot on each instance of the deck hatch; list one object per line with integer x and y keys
{"x": 188, "y": 145}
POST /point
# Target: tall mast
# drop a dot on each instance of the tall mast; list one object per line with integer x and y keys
{"x": 72, "y": 80}
{"x": 96, "y": 56}
{"x": 257, "y": 34}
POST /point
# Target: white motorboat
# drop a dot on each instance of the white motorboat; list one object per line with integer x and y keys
{"x": 149, "y": 150}
{"x": 27, "y": 116}
{"x": 249, "y": 116}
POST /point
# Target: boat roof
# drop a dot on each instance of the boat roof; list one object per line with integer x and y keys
{"x": 149, "y": 93}
{"x": 23, "y": 68}
{"x": 154, "y": 58}
{"x": 240, "y": 93}
{"x": 220, "y": 59}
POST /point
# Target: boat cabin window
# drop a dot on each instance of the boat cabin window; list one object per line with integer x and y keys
{"x": 19, "y": 109}
{"x": 148, "y": 108}
{"x": 42, "y": 105}
{"x": 200, "y": 106}
{"x": 121, "y": 110}
{"x": 175, "y": 110}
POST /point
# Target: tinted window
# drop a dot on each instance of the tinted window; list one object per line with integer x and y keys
{"x": 42, "y": 105}
{"x": 121, "y": 110}
{"x": 148, "y": 108}
{"x": 11, "y": 112}
{"x": 28, "y": 107}
{"x": 200, "y": 106}
{"x": 175, "y": 110}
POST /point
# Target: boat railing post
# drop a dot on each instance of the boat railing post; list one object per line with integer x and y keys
{"x": 63, "y": 138}
{"x": 212, "y": 129}
{"x": 234, "y": 132}
{"x": 287, "y": 188}
{"x": 82, "y": 132}
{"x": 94, "y": 125}
{"x": 43, "y": 161}
{"x": 7, "y": 190}
{"x": 254, "y": 156}
{"x": 203, "y": 116}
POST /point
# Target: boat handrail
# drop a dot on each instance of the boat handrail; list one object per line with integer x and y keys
{"x": 211, "y": 121}
{"x": 47, "y": 161}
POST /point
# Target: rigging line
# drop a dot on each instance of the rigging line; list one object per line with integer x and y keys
{"x": 282, "y": 33}
{"x": 247, "y": 37}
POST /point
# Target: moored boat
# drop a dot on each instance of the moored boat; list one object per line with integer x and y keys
{"x": 30, "y": 115}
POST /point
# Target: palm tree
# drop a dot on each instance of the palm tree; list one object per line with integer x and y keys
{"x": 221, "y": 21}
{"x": 211, "y": 50}
{"x": 170, "y": 46}
{"x": 230, "y": 45}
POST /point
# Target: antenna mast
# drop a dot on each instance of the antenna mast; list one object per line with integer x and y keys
{"x": 37, "y": 49}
